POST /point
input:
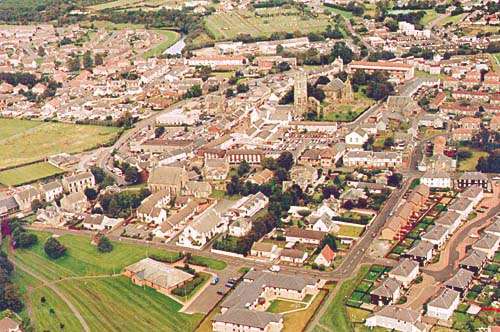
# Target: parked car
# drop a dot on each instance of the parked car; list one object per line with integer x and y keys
{"x": 275, "y": 268}
{"x": 215, "y": 280}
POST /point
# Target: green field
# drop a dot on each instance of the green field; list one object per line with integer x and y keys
{"x": 91, "y": 282}
{"x": 169, "y": 38}
{"x": 336, "y": 317}
{"x": 211, "y": 263}
{"x": 27, "y": 174}
{"x": 350, "y": 231}
{"x": 263, "y": 22}
{"x": 25, "y": 141}
{"x": 344, "y": 13}
{"x": 452, "y": 19}
{"x": 470, "y": 164}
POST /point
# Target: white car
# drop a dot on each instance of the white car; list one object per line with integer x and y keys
{"x": 274, "y": 268}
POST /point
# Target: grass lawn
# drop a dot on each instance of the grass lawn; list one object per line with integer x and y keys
{"x": 280, "y": 306}
{"x": 452, "y": 19}
{"x": 344, "y": 13}
{"x": 208, "y": 262}
{"x": 297, "y": 321}
{"x": 169, "y": 38}
{"x": 27, "y": 174}
{"x": 357, "y": 315}
{"x": 430, "y": 15}
{"x": 263, "y": 22}
{"x": 469, "y": 164}
{"x": 349, "y": 112}
{"x": 336, "y": 318}
{"x": 350, "y": 231}
{"x": 107, "y": 303}
{"x": 24, "y": 141}
{"x": 206, "y": 277}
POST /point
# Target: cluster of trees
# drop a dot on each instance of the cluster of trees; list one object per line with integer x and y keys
{"x": 104, "y": 244}
{"x": 381, "y": 55}
{"x": 9, "y": 294}
{"x": 86, "y": 61}
{"x": 419, "y": 52}
{"x": 101, "y": 178}
{"x": 377, "y": 85}
{"x": 53, "y": 248}
{"x": 490, "y": 164}
{"x": 410, "y": 17}
{"x": 187, "y": 288}
{"x": 16, "y": 78}
{"x": 352, "y": 7}
{"x": 194, "y": 91}
{"x": 184, "y": 20}
{"x": 130, "y": 172}
{"x": 23, "y": 12}
{"x": 120, "y": 205}
{"x": 20, "y": 236}
{"x": 271, "y": 3}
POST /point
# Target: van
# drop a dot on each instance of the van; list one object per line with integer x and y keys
{"x": 274, "y": 268}
{"x": 215, "y": 280}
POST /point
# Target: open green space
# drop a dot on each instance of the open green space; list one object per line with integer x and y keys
{"x": 169, "y": 38}
{"x": 211, "y": 263}
{"x": 336, "y": 317}
{"x": 280, "y": 306}
{"x": 90, "y": 280}
{"x": 27, "y": 174}
{"x": 347, "y": 112}
{"x": 263, "y": 22}
{"x": 470, "y": 164}
{"x": 298, "y": 320}
{"x": 344, "y": 13}
{"x": 350, "y": 231}
{"x": 452, "y": 19}
{"x": 25, "y": 141}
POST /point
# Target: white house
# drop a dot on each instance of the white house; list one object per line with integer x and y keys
{"x": 406, "y": 271}
{"x": 437, "y": 179}
{"x": 51, "y": 190}
{"x": 356, "y": 137}
{"x": 99, "y": 222}
{"x": 436, "y": 235}
{"x": 78, "y": 182}
{"x": 240, "y": 227}
{"x": 443, "y": 306}
{"x": 203, "y": 229}
{"x": 248, "y": 206}
{"x": 396, "y": 318}
{"x": 325, "y": 257}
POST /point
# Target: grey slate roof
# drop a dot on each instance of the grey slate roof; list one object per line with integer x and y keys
{"x": 460, "y": 280}
{"x": 445, "y": 299}
{"x": 404, "y": 268}
{"x": 258, "y": 319}
{"x": 387, "y": 288}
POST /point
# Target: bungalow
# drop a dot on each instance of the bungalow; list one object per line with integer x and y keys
{"x": 460, "y": 281}
{"x": 203, "y": 228}
{"x": 444, "y": 304}
{"x": 474, "y": 193}
{"x": 264, "y": 250}
{"x": 99, "y": 222}
{"x": 405, "y": 272}
{"x": 324, "y": 223}
{"x": 325, "y": 257}
{"x": 422, "y": 252}
{"x": 488, "y": 244}
{"x": 397, "y": 318}
{"x": 450, "y": 219}
{"x": 306, "y": 236}
{"x": 493, "y": 229}
{"x": 247, "y": 320}
{"x": 462, "y": 206}
{"x": 293, "y": 256}
{"x": 474, "y": 261}
{"x": 157, "y": 275}
{"x": 248, "y": 206}
{"x": 387, "y": 293}
{"x": 436, "y": 235}
{"x": 357, "y": 137}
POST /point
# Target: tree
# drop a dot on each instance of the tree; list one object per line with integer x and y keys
{"x": 41, "y": 51}
{"x": 242, "y": 88}
{"x": 243, "y": 168}
{"x": 340, "y": 49}
{"x": 394, "y": 180}
{"x": 194, "y": 91}
{"x": 88, "y": 62}
{"x": 53, "y": 248}
{"x": 36, "y": 204}
{"x": 283, "y": 66}
{"x": 99, "y": 59}
{"x": 104, "y": 244}
{"x": 159, "y": 131}
{"x": 388, "y": 142}
{"x": 285, "y": 160}
{"x": 229, "y": 93}
{"x": 90, "y": 193}
{"x": 73, "y": 63}
{"x": 131, "y": 174}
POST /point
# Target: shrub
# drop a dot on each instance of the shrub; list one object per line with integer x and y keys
{"x": 54, "y": 249}
{"x": 104, "y": 245}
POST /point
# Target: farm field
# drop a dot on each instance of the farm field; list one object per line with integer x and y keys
{"x": 135, "y": 4}
{"x": 91, "y": 282}
{"x": 263, "y": 22}
{"x": 25, "y": 141}
{"x": 27, "y": 174}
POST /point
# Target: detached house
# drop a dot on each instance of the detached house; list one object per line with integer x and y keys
{"x": 397, "y": 318}
{"x": 387, "y": 293}
{"x": 357, "y": 137}
{"x": 488, "y": 244}
{"x": 264, "y": 250}
{"x": 78, "y": 182}
{"x": 152, "y": 208}
{"x": 99, "y": 222}
{"x": 203, "y": 228}
{"x": 405, "y": 272}
{"x": 325, "y": 257}
{"x": 460, "y": 281}
{"x": 474, "y": 261}
{"x": 422, "y": 252}
{"x": 51, "y": 190}
{"x": 293, "y": 256}
{"x": 306, "y": 236}
{"x": 444, "y": 304}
